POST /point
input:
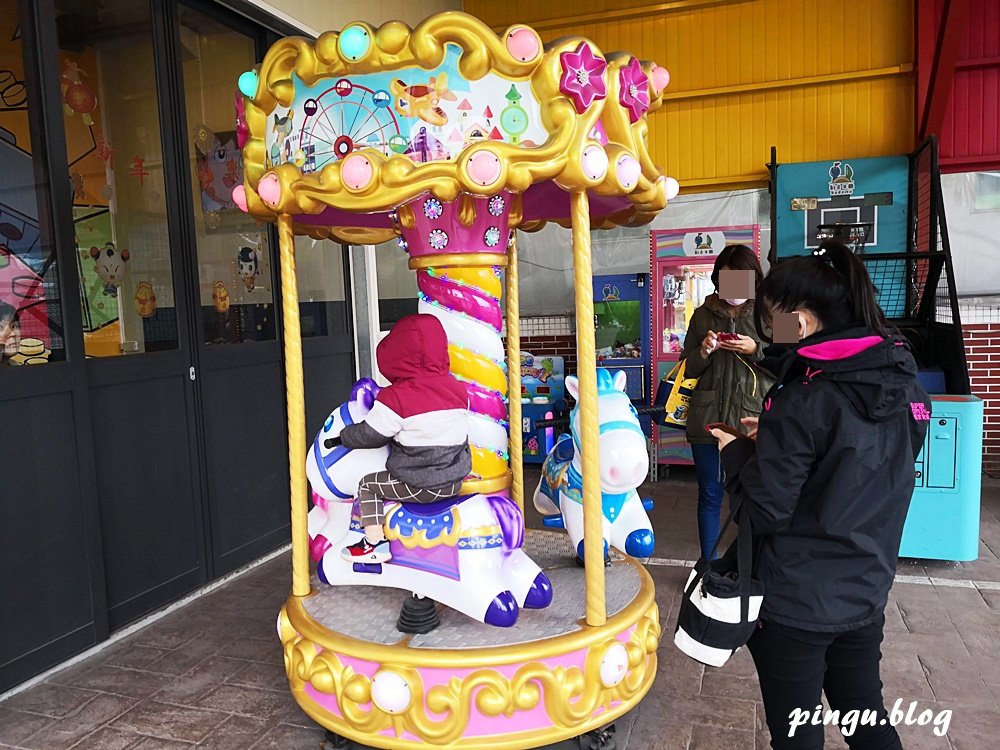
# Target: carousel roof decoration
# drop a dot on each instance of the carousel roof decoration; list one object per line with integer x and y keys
{"x": 568, "y": 117}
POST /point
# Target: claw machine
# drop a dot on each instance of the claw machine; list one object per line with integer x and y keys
{"x": 681, "y": 263}
{"x": 621, "y": 320}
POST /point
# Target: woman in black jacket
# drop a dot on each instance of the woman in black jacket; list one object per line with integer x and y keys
{"x": 826, "y": 478}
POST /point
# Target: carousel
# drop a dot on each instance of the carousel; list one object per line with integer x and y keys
{"x": 449, "y": 137}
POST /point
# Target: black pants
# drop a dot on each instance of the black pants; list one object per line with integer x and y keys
{"x": 796, "y": 666}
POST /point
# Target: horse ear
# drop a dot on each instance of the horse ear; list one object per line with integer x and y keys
{"x": 364, "y": 393}
{"x": 573, "y": 386}
{"x": 620, "y": 379}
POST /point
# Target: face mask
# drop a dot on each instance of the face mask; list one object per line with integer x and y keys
{"x": 736, "y": 302}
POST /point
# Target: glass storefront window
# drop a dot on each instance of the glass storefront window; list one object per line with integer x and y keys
{"x": 236, "y": 285}
{"x": 31, "y": 321}
{"x": 397, "y": 284}
{"x": 319, "y": 271}
{"x": 115, "y": 170}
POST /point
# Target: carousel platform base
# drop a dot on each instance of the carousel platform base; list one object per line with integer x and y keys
{"x": 550, "y": 681}
{"x": 599, "y": 739}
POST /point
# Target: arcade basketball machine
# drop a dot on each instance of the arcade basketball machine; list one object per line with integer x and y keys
{"x": 890, "y": 212}
{"x": 362, "y": 136}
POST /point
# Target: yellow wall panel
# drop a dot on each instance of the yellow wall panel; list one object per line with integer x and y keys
{"x": 816, "y": 78}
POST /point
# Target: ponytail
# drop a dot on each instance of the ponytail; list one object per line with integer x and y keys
{"x": 832, "y": 283}
{"x": 864, "y": 304}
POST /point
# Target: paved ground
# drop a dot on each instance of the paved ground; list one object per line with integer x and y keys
{"x": 209, "y": 675}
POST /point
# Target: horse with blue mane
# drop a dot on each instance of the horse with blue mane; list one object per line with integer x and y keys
{"x": 623, "y": 466}
{"x": 465, "y": 552}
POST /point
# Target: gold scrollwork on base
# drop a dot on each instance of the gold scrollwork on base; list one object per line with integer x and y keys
{"x": 571, "y": 696}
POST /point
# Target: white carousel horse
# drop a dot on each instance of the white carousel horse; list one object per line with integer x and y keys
{"x": 464, "y": 552}
{"x": 623, "y": 466}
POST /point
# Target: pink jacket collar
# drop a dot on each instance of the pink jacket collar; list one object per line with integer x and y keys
{"x": 839, "y": 348}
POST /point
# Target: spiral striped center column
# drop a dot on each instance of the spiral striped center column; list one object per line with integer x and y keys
{"x": 458, "y": 249}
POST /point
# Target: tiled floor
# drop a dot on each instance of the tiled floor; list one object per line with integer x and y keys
{"x": 209, "y": 675}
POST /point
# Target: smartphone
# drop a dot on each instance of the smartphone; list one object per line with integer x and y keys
{"x": 725, "y": 428}
{"x": 728, "y": 337}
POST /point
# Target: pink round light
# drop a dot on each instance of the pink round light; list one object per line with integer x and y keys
{"x": 523, "y": 45}
{"x": 660, "y": 78}
{"x": 240, "y": 197}
{"x": 269, "y": 189}
{"x": 672, "y": 188}
{"x": 628, "y": 170}
{"x": 484, "y": 168}
{"x": 595, "y": 163}
{"x": 357, "y": 172}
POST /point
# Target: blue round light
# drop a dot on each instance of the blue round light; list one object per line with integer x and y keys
{"x": 354, "y": 42}
{"x": 248, "y": 84}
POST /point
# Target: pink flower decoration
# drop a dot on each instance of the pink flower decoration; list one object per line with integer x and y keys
{"x": 583, "y": 77}
{"x": 242, "y": 131}
{"x": 633, "y": 93}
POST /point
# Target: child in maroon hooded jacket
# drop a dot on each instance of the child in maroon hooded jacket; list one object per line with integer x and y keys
{"x": 424, "y": 414}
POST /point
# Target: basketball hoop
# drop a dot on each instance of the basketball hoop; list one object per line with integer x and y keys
{"x": 855, "y": 235}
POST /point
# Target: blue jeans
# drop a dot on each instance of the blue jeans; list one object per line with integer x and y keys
{"x": 711, "y": 490}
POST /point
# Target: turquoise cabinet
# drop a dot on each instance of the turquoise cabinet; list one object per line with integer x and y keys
{"x": 943, "y": 521}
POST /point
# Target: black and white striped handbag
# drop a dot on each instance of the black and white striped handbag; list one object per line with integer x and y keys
{"x": 721, "y": 603}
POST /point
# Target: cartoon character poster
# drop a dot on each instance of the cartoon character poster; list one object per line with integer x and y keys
{"x": 219, "y": 165}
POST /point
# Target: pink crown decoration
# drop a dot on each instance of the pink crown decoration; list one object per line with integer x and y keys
{"x": 438, "y": 230}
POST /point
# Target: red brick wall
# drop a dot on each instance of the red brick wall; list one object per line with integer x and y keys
{"x": 982, "y": 350}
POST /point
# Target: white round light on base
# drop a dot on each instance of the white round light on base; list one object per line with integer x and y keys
{"x": 390, "y": 692}
{"x": 614, "y": 665}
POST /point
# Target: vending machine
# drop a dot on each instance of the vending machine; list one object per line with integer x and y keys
{"x": 543, "y": 396}
{"x": 681, "y": 263}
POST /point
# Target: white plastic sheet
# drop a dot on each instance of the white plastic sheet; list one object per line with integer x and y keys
{"x": 546, "y": 280}
{"x": 974, "y": 235}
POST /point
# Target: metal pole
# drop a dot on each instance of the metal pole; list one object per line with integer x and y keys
{"x": 586, "y": 357}
{"x": 514, "y": 375}
{"x": 295, "y": 403}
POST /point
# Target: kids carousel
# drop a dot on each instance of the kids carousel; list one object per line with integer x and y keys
{"x": 448, "y": 137}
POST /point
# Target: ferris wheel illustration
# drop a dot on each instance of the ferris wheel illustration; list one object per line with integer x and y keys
{"x": 345, "y": 118}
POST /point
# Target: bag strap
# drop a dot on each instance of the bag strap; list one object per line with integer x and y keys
{"x": 744, "y": 542}
{"x": 674, "y": 369}
{"x": 703, "y": 565}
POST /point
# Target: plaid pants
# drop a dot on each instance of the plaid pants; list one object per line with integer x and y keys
{"x": 380, "y": 486}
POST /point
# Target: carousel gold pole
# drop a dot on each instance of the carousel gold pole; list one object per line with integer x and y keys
{"x": 295, "y": 399}
{"x": 514, "y": 376}
{"x": 586, "y": 358}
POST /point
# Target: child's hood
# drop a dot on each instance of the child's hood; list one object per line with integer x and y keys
{"x": 417, "y": 346}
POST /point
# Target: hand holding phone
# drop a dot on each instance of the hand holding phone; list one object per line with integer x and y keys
{"x": 709, "y": 345}
{"x": 724, "y": 428}
{"x": 730, "y": 337}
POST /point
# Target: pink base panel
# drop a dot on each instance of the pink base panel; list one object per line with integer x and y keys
{"x": 480, "y": 725}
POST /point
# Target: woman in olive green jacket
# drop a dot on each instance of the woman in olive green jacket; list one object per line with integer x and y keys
{"x": 729, "y": 386}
